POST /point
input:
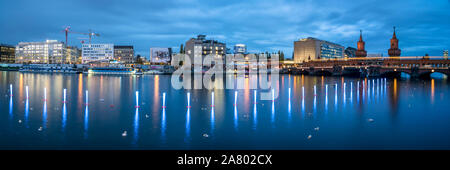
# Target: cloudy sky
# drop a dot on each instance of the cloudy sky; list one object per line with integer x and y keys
{"x": 422, "y": 26}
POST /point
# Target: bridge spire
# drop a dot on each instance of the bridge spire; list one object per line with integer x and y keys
{"x": 361, "y": 52}
{"x": 394, "y": 50}
{"x": 394, "y": 36}
{"x": 360, "y": 35}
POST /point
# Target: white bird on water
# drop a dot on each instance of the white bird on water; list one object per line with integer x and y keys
{"x": 124, "y": 133}
{"x": 309, "y": 136}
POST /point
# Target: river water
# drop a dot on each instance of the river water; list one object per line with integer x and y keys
{"x": 378, "y": 114}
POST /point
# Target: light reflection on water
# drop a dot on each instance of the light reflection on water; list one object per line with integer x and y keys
{"x": 227, "y": 115}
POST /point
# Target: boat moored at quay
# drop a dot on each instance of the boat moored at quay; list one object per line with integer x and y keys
{"x": 50, "y": 68}
{"x": 113, "y": 71}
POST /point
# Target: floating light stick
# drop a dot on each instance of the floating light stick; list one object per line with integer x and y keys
{"x": 164, "y": 100}
{"x": 254, "y": 98}
{"x": 188, "y": 100}
{"x": 137, "y": 99}
{"x": 289, "y": 93}
{"x": 64, "y": 101}
{"x": 235, "y": 97}
{"x": 45, "y": 94}
{"x": 26, "y": 91}
{"x": 212, "y": 99}
{"x": 87, "y": 98}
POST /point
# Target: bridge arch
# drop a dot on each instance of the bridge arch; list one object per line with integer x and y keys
{"x": 427, "y": 74}
{"x": 394, "y": 73}
{"x": 321, "y": 72}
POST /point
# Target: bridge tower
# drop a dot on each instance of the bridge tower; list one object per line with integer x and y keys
{"x": 394, "y": 50}
{"x": 361, "y": 52}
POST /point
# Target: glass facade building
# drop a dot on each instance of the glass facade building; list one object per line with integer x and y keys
{"x": 312, "y": 49}
{"x": 97, "y": 53}
{"x": 47, "y": 52}
{"x": 7, "y": 54}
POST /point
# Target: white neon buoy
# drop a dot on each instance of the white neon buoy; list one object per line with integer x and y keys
{"x": 45, "y": 94}
{"x": 212, "y": 99}
{"x": 303, "y": 91}
{"x": 188, "y": 100}
{"x": 289, "y": 93}
{"x": 336, "y": 88}
{"x": 273, "y": 95}
{"x": 26, "y": 91}
{"x": 235, "y": 97}
{"x": 164, "y": 100}
{"x": 315, "y": 94}
{"x": 64, "y": 101}
{"x": 137, "y": 99}
{"x": 87, "y": 98}
{"x": 254, "y": 98}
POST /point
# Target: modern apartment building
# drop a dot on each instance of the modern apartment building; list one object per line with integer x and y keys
{"x": 307, "y": 49}
{"x": 124, "y": 54}
{"x": 97, "y": 53}
{"x": 47, "y": 52}
{"x": 7, "y": 53}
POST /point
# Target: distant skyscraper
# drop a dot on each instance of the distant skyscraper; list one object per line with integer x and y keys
{"x": 361, "y": 52}
{"x": 198, "y": 48}
{"x": 240, "y": 49}
{"x": 124, "y": 54}
{"x": 47, "y": 52}
{"x": 311, "y": 48}
{"x": 394, "y": 50}
{"x": 446, "y": 54}
{"x": 97, "y": 53}
{"x": 7, "y": 54}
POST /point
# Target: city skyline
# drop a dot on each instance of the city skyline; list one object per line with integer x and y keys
{"x": 263, "y": 26}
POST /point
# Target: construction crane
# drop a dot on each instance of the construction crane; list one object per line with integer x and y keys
{"x": 90, "y": 33}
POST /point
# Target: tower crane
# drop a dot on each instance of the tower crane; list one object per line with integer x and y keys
{"x": 90, "y": 33}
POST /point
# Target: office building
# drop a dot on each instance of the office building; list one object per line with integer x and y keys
{"x": 307, "y": 49}
{"x": 124, "y": 54}
{"x": 445, "y": 54}
{"x": 47, "y": 52}
{"x": 73, "y": 55}
{"x": 97, "y": 53}
{"x": 198, "y": 48}
{"x": 7, "y": 53}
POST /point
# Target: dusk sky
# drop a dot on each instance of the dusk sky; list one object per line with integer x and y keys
{"x": 422, "y": 26}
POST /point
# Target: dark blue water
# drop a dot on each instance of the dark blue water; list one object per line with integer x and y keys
{"x": 387, "y": 114}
